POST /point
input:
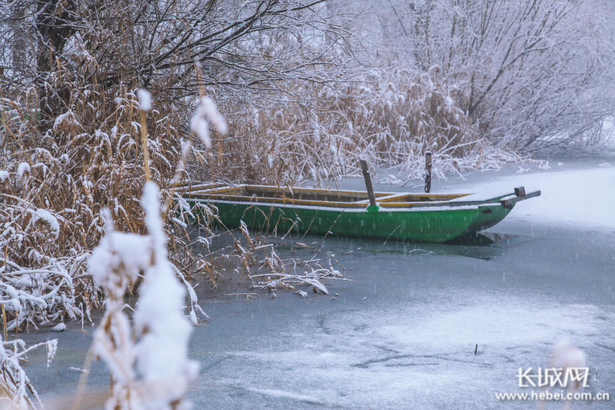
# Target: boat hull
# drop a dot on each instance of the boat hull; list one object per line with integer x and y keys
{"x": 434, "y": 224}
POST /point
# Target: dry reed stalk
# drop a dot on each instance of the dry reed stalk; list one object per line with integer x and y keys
{"x": 144, "y": 143}
{"x": 139, "y": 352}
{"x": 4, "y": 321}
{"x": 321, "y": 130}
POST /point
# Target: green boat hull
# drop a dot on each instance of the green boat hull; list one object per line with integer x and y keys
{"x": 436, "y": 225}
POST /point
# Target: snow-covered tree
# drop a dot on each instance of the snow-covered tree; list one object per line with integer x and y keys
{"x": 530, "y": 73}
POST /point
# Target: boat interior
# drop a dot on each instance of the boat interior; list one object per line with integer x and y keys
{"x": 309, "y": 196}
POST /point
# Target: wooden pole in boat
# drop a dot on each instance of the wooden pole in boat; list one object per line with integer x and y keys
{"x": 428, "y": 171}
{"x": 368, "y": 183}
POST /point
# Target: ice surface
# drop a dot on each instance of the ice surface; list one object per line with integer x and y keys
{"x": 575, "y": 197}
{"x": 415, "y": 353}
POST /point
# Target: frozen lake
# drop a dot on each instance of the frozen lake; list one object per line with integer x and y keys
{"x": 402, "y": 333}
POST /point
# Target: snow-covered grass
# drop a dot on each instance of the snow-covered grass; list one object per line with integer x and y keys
{"x": 52, "y": 191}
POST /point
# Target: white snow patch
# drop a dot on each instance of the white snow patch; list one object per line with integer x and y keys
{"x": 60, "y": 327}
{"x": 4, "y": 175}
{"x": 486, "y": 194}
{"x": 199, "y": 126}
{"x": 23, "y": 168}
{"x": 131, "y": 251}
{"x": 50, "y": 219}
{"x": 52, "y": 349}
{"x": 145, "y": 99}
{"x": 180, "y": 222}
{"x": 492, "y": 322}
{"x": 68, "y": 118}
{"x": 76, "y": 369}
{"x": 209, "y": 109}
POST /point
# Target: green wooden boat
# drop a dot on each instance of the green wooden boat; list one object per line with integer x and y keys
{"x": 406, "y": 216}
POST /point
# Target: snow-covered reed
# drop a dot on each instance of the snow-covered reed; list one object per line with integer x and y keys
{"x": 16, "y": 391}
{"x": 153, "y": 372}
{"x": 320, "y": 131}
{"x": 54, "y": 186}
{"x": 260, "y": 262}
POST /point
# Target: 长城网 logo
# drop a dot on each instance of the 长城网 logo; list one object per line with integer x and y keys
{"x": 554, "y": 377}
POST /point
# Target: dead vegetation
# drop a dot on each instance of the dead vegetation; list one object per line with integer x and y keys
{"x": 320, "y": 131}
{"x": 54, "y": 187}
{"x": 73, "y": 141}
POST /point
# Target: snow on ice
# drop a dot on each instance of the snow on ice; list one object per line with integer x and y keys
{"x": 572, "y": 197}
